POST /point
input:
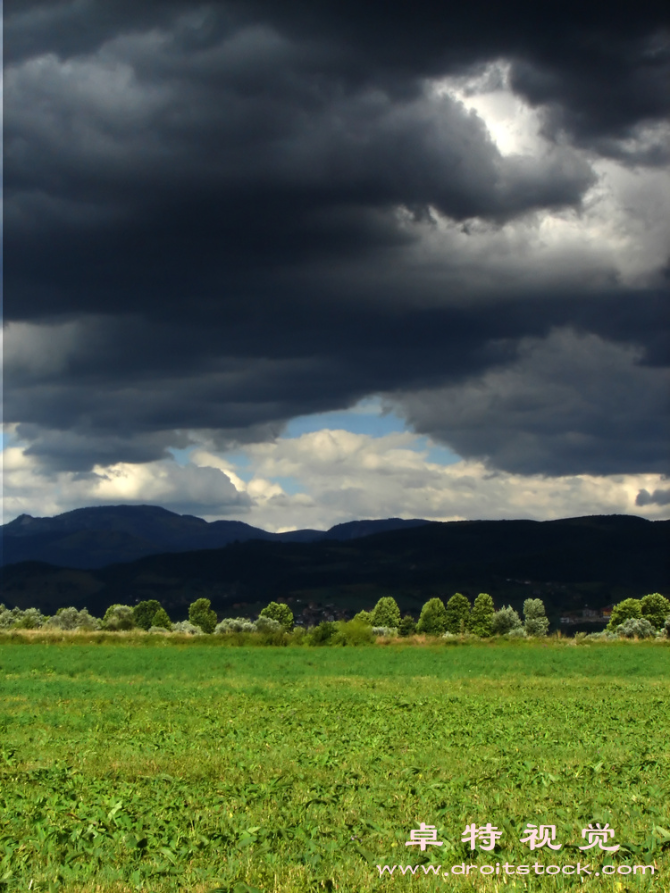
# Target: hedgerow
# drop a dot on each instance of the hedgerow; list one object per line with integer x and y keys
{"x": 645, "y": 618}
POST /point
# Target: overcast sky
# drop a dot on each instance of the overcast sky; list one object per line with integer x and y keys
{"x": 300, "y": 262}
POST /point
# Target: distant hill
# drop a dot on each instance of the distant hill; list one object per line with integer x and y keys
{"x": 98, "y": 536}
{"x": 571, "y": 564}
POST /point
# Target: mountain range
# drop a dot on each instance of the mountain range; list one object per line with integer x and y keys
{"x": 571, "y": 563}
{"x": 101, "y": 535}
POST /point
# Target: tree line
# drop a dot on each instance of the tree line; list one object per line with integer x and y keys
{"x": 632, "y": 618}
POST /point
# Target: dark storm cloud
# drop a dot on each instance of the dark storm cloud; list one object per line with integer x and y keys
{"x": 606, "y": 71}
{"x": 658, "y": 497}
{"x": 213, "y": 192}
{"x": 569, "y": 401}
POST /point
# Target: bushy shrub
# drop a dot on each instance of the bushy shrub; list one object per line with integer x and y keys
{"x": 353, "y": 632}
{"x": 200, "y": 613}
{"x": 517, "y": 633}
{"x": 71, "y": 619}
{"x": 64, "y": 618}
{"x": 144, "y": 613}
{"x": 655, "y": 608}
{"x": 158, "y": 629}
{"x": 602, "y": 636}
{"x": 7, "y": 617}
{"x": 118, "y": 618}
{"x": 235, "y": 625}
{"x": 279, "y": 612}
{"x": 185, "y": 626}
{"x": 458, "y": 614}
{"x": 481, "y": 617}
{"x": 636, "y": 628}
{"x": 31, "y": 618}
{"x": 433, "y": 619}
{"x": 628, "y": 609}
{"x": 363, "y": 617}
{"x": 298, "y": 635}
{"x": 386, "y": 613}
{"x": 385, "y": 631}
{"x": 407, "y": 626}
{"x": 323, "y": 633}
{"x": 161, "y": 620}
{"x": 666, "y": 628}
{"x": 87, "y": 621}
{"x": 270, "y": 625}
{"x": 504, "y": 621}
{"x": 536, "y": 623}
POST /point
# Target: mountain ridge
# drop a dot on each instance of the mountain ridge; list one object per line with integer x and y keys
{"x": 571, "y": 564}
{"x": 96, "y": 536}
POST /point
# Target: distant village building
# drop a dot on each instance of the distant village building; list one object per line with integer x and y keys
{"x": 587, "y": 615}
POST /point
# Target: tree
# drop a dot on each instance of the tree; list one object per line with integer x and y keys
{"x": 143, "y": 613}
{"x": 281, "y": 613}
{"x": 433, "y": 619}
{"x": 655, "y": 608}
{"x": 71, "y": 618}
{"x": 504, "y": 621}
{"x": 482, "y": 615}
{"x": 407, "y": 626}
{"x": 269, "y": 625}
{"x": 458, "y": 613}
{"x": 8, "y": 618}
{"x": 323, "y": 633}
{"x": 628, "y": 609}
{"x": 386, "y": 613}
{"x": 363, "y": 617}
{"x": 118, "y": 617}
{"x": 536, "y": 623}
{"x": 161, "y": 619}
{"x": 200, "y": 614}
{"x": 32, "y": 618}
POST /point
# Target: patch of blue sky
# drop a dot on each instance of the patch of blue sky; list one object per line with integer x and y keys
{"x": 181, "y": 457}
{"x": 241, "y": 465}
{"x": 289, "y": 485}
{"x": 367, "y": 417}
{"x": 440, "y": 455}
{"x": 372, "y": 418}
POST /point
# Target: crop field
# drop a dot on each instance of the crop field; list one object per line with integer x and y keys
{"x": 154, "y": 766}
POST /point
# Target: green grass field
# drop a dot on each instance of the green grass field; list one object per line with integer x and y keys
{"x": 149, "y": 765}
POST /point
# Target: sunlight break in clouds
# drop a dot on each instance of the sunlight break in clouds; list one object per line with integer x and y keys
{"x": 326, "y": 477}
{"x": 512, "y": 124}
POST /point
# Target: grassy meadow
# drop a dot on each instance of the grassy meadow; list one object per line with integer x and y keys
{"x": 145, "y": 764}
